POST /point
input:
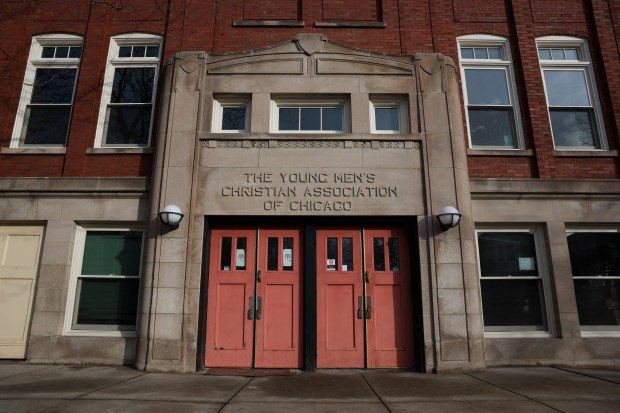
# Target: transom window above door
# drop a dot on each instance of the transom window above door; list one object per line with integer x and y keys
{"x": 324, "y": 115}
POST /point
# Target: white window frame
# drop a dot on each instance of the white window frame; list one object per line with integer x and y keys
{"x": 114, "y": 62}
{"x": 595, "y": 331}
{"x": 35, "y": 61}
{"x": 584, "y": 64}
{"x": 221, "y": 102}
{"x": 306, "y": 102}
{"x": 543, "y": 275}
{"x": 76, "y": 274}
{"x": 399, "y": 103}
{"x": 505, "y": 64}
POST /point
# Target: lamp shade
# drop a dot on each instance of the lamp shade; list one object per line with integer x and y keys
{"x": 449, "y": 217}
{"x": 171, "y": 215}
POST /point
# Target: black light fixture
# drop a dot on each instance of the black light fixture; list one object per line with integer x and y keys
{"x": 449, "y": 217}
{"x": 171, "y": 215}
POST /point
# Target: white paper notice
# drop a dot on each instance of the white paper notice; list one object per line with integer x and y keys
{"x": 287, "y": 257}
{"x": 240, "y": 261}
{"x": 526, "y": 264}
{"x": 344, "y": 267}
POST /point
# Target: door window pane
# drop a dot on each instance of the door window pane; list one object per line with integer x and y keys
{"x": 347, "y": 254}
{"x": 241, "y": 253}
{"x": 378, "y": 254}
{"x": 287, "y": 254}
{"x": 225, "y": 254}
{"x": 332, "y": 254}
{"x": 272, "y": 254}
{"x": 393, "y": 253}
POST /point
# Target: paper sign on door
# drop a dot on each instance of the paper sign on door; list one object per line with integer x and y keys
{"x": 240, "y": 260}
{"x": 287, "y": 257}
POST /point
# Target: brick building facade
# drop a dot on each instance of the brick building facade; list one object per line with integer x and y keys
{"x": 310, "y": 146}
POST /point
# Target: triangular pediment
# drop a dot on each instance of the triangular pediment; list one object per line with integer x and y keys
{"x": 312, "y": 55}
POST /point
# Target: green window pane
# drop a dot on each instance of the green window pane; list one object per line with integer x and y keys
{"x": 111, "y": 301}
{"x": 112, "y": 253}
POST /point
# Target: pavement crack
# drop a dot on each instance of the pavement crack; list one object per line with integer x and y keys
{"x": 108, "y": 386}
{"x": 236, "y": 393}
{"x": 514, "y": 392}
{"x": 586, "y": 375}
{"x": 376, "y": 394}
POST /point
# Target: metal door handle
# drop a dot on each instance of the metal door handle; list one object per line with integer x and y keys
{"x": 360, "y": 307}
{"x": 258, "y": 276}
{"x": 368, "y": 308}
{"x": 366, "y": 276}
{"x": 251, "y": 309}
{"x": 259, "y": 308}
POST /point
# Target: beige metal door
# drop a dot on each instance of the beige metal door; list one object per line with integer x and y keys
{"x": 19, "y": 260}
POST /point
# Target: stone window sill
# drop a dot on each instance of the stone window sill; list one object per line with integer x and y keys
{"x": 363, "y": 24}
{"x": 269, "y": 23}
{"x": 118, "y": 151}
{"x": 34, "y": 151}
{"x": 500, "y": 152}
{"x": 588, "y": 154}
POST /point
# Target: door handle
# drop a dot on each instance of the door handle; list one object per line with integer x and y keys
{"x": 258, "y": 276}
{"x": 360, "y": 307}
{"x": 251, "y": 309}
{"x": 366, "y": 276}
{"x": 368, "y": 308}
{"x": 259, "y": 308}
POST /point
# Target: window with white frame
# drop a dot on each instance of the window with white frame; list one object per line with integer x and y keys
{"x": 126, "y": 113}
{"x": 46, "y": 100}
{"x": 389, "y": 115}
{"x": 595, "y": 261}
{"x": 305, "y": 115}
{"x": 231, "y": 114}
{"x": 574, "y": 109}
{"x": 512, "y": 280}
{"x": 105, "y": 280}
{"x": 492, "y": 108}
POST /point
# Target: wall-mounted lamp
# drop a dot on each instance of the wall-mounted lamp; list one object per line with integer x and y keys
{"x": 448, "y": 217}
{"x": 171, "y": 215}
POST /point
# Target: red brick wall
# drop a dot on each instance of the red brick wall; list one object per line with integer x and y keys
{"x": 411, "y": 26}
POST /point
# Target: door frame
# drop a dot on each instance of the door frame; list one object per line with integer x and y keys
{"x": 308, "y": 225}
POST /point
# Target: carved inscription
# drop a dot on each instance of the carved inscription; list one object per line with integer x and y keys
{"x": 307, "y": 192}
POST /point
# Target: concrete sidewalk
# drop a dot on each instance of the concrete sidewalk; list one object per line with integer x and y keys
{"x": 40, "y": 388}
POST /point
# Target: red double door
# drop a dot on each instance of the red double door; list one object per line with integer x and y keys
{"x": 363, "y": 292}
{"x": 254, "y": 298}
{"x": 364, "y": 312}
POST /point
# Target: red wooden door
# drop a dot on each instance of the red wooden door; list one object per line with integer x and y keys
{"x": 231, "y": 285}
{"x": 340, "y": 324}
{"x": 388, "y": 297}
{"x": 278, "y": 291}
{"x": 364, "y": 312}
